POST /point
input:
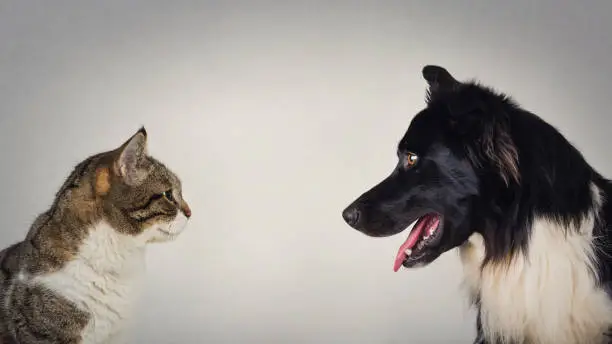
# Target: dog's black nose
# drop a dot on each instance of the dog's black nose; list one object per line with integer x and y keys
{"x": 351, "y": 215}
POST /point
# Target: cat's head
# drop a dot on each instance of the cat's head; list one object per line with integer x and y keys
{"x": 129, "y": 190}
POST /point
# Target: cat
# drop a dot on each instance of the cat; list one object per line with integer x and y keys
{"x": 75, "y": 276}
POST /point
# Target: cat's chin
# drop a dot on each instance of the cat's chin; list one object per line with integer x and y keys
{"x": 161, "y": 236}
{"x": 169, "y": 231}
{"x": 163, "y": 231}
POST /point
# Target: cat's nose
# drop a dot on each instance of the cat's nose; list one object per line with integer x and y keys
{"x": 186, "y": 210}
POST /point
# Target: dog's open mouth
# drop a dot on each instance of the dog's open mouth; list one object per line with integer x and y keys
{"x": 425, "y": 233}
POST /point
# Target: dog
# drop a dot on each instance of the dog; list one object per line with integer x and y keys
{"x": 530, "y": 217}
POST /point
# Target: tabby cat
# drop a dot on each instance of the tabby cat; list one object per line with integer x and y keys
{"x": 75, "y": 276}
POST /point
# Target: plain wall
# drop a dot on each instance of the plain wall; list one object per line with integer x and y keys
{"x": 276, "y": 116}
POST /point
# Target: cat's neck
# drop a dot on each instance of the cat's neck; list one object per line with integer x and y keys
{"x": 97, "y": 247}
{"x": 103, "y": 278}
{"x": 107, "y": 251}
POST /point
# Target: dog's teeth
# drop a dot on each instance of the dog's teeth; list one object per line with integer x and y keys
{"x": 408, "y": 251}
{"x": 426, "y": 237}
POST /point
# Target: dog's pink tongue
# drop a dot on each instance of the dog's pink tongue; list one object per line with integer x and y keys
{"x": 413, "y": 237}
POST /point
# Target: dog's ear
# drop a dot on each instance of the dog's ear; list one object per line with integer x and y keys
{"x": 474, "y": 121}
{"x": 466, "y": 112}
{"x": 439, "y": 80}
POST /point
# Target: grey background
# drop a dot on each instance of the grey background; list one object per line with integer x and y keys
{"x": 276, "y": 115}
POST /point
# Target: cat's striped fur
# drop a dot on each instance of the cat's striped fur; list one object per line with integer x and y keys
{"x": 75, "y": 275}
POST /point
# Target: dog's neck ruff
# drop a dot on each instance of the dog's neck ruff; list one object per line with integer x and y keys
{"x": 548, "y": 294}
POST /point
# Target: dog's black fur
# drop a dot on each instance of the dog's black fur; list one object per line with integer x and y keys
{"x": 485, "y": 165}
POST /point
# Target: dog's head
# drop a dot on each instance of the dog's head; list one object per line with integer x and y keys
{"x": 454, "y": 146}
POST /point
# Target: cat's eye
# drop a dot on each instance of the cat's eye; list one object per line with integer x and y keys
{"x": 168, "y": 195}
{"x": 410, "y": 160}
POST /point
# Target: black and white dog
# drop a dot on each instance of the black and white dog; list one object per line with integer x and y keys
{"x": 531, "y": 218}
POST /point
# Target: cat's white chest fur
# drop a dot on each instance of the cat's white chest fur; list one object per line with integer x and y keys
{"x": 104, "y": 280}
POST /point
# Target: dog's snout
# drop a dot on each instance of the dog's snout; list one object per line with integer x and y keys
{"x": 351, "y": 215}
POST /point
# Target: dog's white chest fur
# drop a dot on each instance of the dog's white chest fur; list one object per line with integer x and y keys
{"x": 103, "y": 281}
{"x": 548, "y": 296}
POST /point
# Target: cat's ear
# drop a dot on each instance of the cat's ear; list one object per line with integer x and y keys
{"x": 129, "y": 162}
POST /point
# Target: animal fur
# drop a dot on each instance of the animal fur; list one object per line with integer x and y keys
{"x": 76, "y": 275}
{"x": 532, "y": 219}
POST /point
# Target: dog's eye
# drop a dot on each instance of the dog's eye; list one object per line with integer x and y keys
{"x": 168, "y": 195}
{"x": 411, "y": 160}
